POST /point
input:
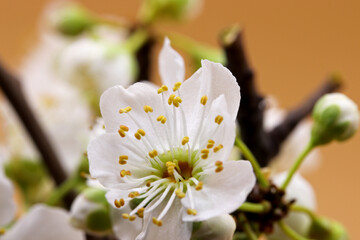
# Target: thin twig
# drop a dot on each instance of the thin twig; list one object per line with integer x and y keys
{"x": 13, "y": 91}
{"x": 264, "y": 145}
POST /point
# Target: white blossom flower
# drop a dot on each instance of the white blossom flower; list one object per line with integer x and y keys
{"x": 7, "y": 204}
{"x": 167, "y": 149}
{"x": 300, "y": 190}
{"x": 88, "y": 60}
{"x": 295, "y": 142}
{"x": 43, "y": 223}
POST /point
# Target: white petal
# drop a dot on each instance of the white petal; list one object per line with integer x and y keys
{"x": 224, "y": 135}
{"x": 44, "y": 223}
{"x": 136, "y": 96}
{"x": 217, "y": 228}
{"x": 104, "y": 152}
{"x": 171, "y": 65}
{"x": 212, "y": 80}
{"x": 7, "y": 204}
{"x": 173, "y": 227}
{"x": 123, "y": 228}
{"x": 222, "y": 192}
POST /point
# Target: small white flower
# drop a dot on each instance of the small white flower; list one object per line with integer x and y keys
{"x": 336, "y": 117}
{"x": 295, "y": 142}
{"x": 7, "y": 204}
{"x": 43, "y": 223}
{"x": 300, "y": 190}
{"x": 168, "y": 147}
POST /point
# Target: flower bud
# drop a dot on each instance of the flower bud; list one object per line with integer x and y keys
{"x": 322, "y": 228}
{"x": 72, "y": 19}
{"x": 217, "y": 228}
{"x": 336, "y": 117}
{"x": 90, "y": 212}
{"x": 169, "y": 9}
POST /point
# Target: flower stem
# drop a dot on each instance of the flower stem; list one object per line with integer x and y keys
{"x": 249, "y": 156}
{"x": 297, "y": 164}
{"x": 197, "y": 50}
{"x": 247, "y": 228}
{"x": 255, "y": 207}
{"x": 298, "y": 208}
{"x": 63, "y": 190}
{"x": 290, "y": 232}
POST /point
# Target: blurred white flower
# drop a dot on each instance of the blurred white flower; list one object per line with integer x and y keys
{"x": 7, "y": 204}
{"x": 168, "y": 148}
{"x": 300, "y": 190}
{"x": 294, "y": 144}
{"x": 43, "y": 223}
{"x": 217, "y": 228}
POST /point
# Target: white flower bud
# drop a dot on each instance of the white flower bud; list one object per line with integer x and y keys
{"x": 90, "y": 212}
{"x": 336, "y": 117}
{"x": 217, "y": 228}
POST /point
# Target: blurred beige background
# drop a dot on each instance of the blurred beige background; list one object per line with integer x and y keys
{"x": 293, "y": 46}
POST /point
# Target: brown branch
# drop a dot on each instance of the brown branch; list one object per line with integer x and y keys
{"x": 143, "y": 57}
{"x": 264, "y": 145}
{"x": 13, "y": 91}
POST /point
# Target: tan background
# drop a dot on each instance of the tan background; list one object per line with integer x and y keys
{"x": 293, "y": 45}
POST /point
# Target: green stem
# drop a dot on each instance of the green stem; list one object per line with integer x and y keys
{"x": 249, "y": 156}
{"x": 195, "y": 49}
{"x": 255, "y": 207}
{"x": 290, "y": 232}
{"x": 247, "y": 228}
{"x": 298, "y": 208}
{"x": 61, "y": 191}
{"x": 297, "y": 164}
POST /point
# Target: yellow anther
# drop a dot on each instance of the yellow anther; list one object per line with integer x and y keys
{"x": 199, "y": 186}
{"x": 123, "y": 173}
{"x": 125, "y": 215}
{"x": 121, "y": 133}
{"x": 210, "y": 144}
{"x": 161, "y": 119}
{"x": 219, "y": 169}
{"x": 125, "y": 110}
{"x": 191, "y": 211}
{"x": 170, "y": 167}
{"x": 148, "y": 183}
{"x": 122, "y": 159}
{"x": 124, "y": 128}
{"x": 218, "y": 163}
{"x": 148, "y": 109}
{"x": 163, "y": 88}
{"x": 133, "y": 194}
{"x": 176, "y": 86}
{"x": 141, "y": 132}
{"x": 204, "y": 156}
{"x": 153, "y": 153}
{"x": 117, "y": 203}
{"x": 205, "y": 151}
{"x": 157, "y": 222}
{"x": 179, "y": 193}
{"x": 219, "y": 119}
{"x": 185, "y": 140}
{"x": 2, "y": 231}
{"x": 171, "y": 99}
{"x": 168, "y": 164}
{"x": 178, "y": 99}
{"x": 203, "y": 100}
{"x": 137, "y": 136}
{"x": 140, "y": 212}
{"x": 132, "y": 217}
{"x": 122, "y": 202}
{"x": 217, "y": 148}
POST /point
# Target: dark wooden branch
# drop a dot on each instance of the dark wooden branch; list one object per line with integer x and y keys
{"x": 264, "y": 145}
{"x": 143, "y": 57}
{"x": 294, "y": 116}
{"x": 13, "y": 91}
